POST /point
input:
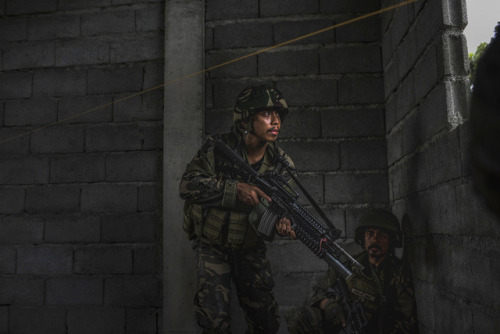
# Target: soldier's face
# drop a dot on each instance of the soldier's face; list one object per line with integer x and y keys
{"x": 266, "y": 125}
{"x": 377, "y": 242}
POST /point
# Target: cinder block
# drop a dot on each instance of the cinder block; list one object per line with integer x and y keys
{"x": 103, "y": 259}
{"x": 21, "y": 291}
{"x": 109, "y": 22}
{"x": 12, "y": 200}
{"x": 72, "y": 229}
{"x": 349, "y": 6}
{"x": 19, "y": 230}
{"x": 350, "y": 88}
{"x": 59, "y": 83}
{"x": 120, "y": 80}
{"x": 79, "y": 168}
{"x": 391, "y": 76}
{"x": 59, "y": 139}
{"x": 37, "y": 320}
{"x": 4, "y": 310}
{"x": 301, "y": 123}
{"x": 15, "y": 141}
{"x": 288, "y": 30}
{"x": 13, "y": 29}
{"x": 85, "y": 109}
{"x": 133, "y": 291}
{"x": 153, "y": 75}
{"x": 405, "y": 97}
{"x": 37, "y": 111}
{"x": 353, "y": 123}
{"x": 351, "y": 59}
{"x": 242, "y": 68}
{"x": 408, "y": 53}
{"x": 453, "y": 316}
{"x": 143, "y": 320}
{"x": 366, "y": 30}
{"x": 113, "y": 137}
{"x": 454, "y": 14}
{"x": 53, "y": 27}
{"x": 394, "y": 147}
{"x": 426, "y": 73}
{"x": 109, "y": 198}
{"x": 309, "y": 92}
{"x": 443, "y": 211}
{"x": 151, "y": 18}
{"x": 81, "y": 52}
{"x": 136, "y": 49}
{"x": 363, "y": 155}
{"x": 231, "y": 9}
{"x": 243, "y": 35}
{"x": 96, "y": 320}
{"x": 220, "y": 122}
{"x": 71, "y": 4}
{"x": 419, "y": 172}
{"x": 319, "y": 156}
{"x": 28, "y": 170}
{"x": 133, "y": 228}
{"x": 149, "y": 197}
{"x": 152, "y": 106}
{"x": 7, "y": 261}
{"x": 284, "y": 8}
{"x": 16, "y": 85}
{"x": 152, "y": 135}
{"x": 44, "y": 260}
{"x": 452, "y": 53}
{"x": 305, "y": 259}
{"x": 209, "y": 38}
{"x": 147, "y": 259}
{"x": 428, "y": 23}
{"x": 399, "y": 181}
{"x": 290, "y": 62}
{"x": 314, "y": 186}
{"x": 444, "y": 159}
{"x": 74, "y": 291}
{"x": 16, "y": 7}
{"x": 133, "y": 166}
{"x": 356, "y": 188}
{"x": 401, "y": 21}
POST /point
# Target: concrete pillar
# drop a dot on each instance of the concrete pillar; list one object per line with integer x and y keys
{"x": 183, "y": 135}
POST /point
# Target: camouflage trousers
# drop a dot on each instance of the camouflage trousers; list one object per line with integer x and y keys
{"x": 250, "y": 271}
{"x": 309, "y": 320}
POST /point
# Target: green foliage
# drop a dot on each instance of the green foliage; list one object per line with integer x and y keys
{"x": 473, "y": 60}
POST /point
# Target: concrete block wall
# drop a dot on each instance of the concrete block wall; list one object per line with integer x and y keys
{"x": 80, "y": 204}
{"x": 335, "y": 130}
{"x": 451, "y": 238}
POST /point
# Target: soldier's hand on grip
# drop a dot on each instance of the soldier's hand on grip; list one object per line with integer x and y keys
{"x": 249, "y": 194}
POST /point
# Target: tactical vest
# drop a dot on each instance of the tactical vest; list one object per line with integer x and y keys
{"x": 231, "y": 228}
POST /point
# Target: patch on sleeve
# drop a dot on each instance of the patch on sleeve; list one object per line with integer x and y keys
{"x": 364, "y": 295}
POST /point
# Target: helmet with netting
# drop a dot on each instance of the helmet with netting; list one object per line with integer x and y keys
{"x": 382, "y": 219}
{"x": 257, "y": 98}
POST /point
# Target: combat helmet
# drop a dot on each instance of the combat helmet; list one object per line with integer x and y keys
{"x": 253, "y": 99}
{"x": 382, "y": 219}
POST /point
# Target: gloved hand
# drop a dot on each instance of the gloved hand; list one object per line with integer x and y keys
{"x": 334, "y": 313}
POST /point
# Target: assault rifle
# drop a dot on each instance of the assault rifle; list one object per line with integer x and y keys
{"x": 354, "y": 315}
{"x": 320, "y": 240}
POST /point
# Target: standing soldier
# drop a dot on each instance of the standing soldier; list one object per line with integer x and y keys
{"x": 384, "y": 287}
{"x": 221, "y": 211}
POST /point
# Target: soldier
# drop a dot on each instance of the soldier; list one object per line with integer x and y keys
{"x": 221, "y": 212}
{"x": 384, "y": 287}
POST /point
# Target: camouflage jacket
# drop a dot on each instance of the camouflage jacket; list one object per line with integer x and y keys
{"x": 212, "y": 211}
{"x": 386, "y": 293}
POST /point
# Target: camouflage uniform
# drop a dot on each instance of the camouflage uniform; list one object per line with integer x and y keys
{"x": 226, "y": 243}
{"x": 386, "y": 291}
